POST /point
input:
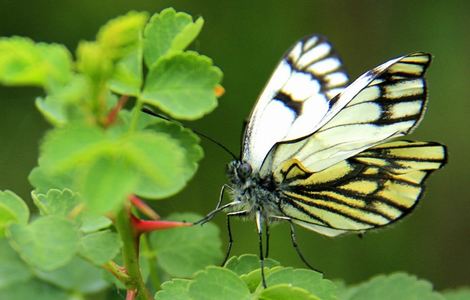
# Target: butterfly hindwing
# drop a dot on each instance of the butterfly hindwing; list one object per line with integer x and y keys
{"x": 384, "y": 103}
{"x": 298, "y": 95}
{"x": 372, "y": 189}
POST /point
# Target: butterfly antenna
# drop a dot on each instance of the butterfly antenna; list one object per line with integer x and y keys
{"x": 152, "y": 113}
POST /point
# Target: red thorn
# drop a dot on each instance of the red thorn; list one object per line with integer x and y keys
{"x": 143, "y": 207}
{"x": 142, "y": 226}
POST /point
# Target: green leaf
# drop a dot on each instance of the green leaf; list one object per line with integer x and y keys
{"x": 127, "y": 76}
{"x": 57, "y": 65}
{"x": 43, "y": 181}
{"x": 23, "y": 62}
{"x": 186, "y": 36}
{"x": 52, "y": 110}
{"x": 78, "y": 275}
{"x": 248, "y": 267}
{"x": 391, "y": 287}
{"x": 93, "y": 61}
{"x": 18, "y": 61}
{"x": 120, "y": 41}
{"x": 66, "y": 148}
{"x": 56, "y": 202}
{"x": 183, "y": 251}
{"x": 110, "y": 164}
{"x": 122, "y": 35}
{"x": 12, "y": 210}
{"x": 12, "y": 268}
{"x": 92, "y": 222}
{"x": 462, "y": 293}
{"x": 100, "y": 247}
{"x": 106, "y": 175}
{"x": 33, "y": 289}
{"x": 216, "y": 283}
{"x": 176, "y": 289}
{"x": 63, "y": 203}
{"x": 286, "y": 292}
{"x": 160, "y": 161}
{"x": 168, "y": 33}
{"x": 306, "y": 279}
{"x": 186, "y": 139}
{"x": 47, "y": 243}
{"x": 183, "y": 85}
{"x": 247, "y": 263}
{"x": 67, "y": 103}
{"x": 122, "y": 38}
{"x": 253, "y": 279}
{"x": 107, "y": 183}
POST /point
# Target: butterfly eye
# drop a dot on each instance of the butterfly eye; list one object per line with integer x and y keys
{"x": 244, "y": 170}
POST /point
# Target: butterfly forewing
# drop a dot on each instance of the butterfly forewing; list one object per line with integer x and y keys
{"x": 369, "y": 190}
{"x": 384, "y": 103}
{"x": 296, "y": 98}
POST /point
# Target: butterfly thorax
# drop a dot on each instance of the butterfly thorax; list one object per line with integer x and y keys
{"x": 255, "y": 193}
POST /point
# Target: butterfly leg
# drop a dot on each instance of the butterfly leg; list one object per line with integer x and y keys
{"x": 296, "y": 247}
{"x": 218, "y": 207}
{"x": 259, "y": 225}
{"x": 229, "y": 231}
{"x": 221, "y": 195}
{"x": 267, "y": 239}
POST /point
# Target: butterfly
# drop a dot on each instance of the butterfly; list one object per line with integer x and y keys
{"x": 320, "y": 152}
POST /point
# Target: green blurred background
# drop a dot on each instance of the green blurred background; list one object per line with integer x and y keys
{"x": 246, "y": 39}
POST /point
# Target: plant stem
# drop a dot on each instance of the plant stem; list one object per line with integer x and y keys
{"x": 152, "y": 261}
{"x": 119, "y": 272}
{"x": 130, "y": 254}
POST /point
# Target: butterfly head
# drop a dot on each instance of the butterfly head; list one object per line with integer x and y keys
{"x": 239, "y": 171}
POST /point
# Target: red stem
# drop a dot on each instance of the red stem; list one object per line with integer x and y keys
{"x": 111, "y": 118}
{"x": 131, "y": 294}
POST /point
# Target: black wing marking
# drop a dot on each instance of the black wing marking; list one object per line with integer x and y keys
{"x": 372, "y": 189}
{"x": 386, "y": 102}
{"x": 296, "y": 98}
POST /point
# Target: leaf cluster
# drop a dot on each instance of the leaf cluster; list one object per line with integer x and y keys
{"x": 101, "y": 149}
{"x": 103, "y": 153}
{"x": 59, "y": 256}
{"x": 240, "y": 278}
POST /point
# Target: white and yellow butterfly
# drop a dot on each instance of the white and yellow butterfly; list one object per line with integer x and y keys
{"x": 318, "y": 151}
